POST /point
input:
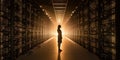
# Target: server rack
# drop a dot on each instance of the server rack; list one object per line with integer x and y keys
{"x": 93, "y": 24}
{"x": 21, "y": 27}
{"x": 108, "y": 29}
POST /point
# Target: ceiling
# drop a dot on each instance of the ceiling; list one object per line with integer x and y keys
{"x": 58, "y": 10}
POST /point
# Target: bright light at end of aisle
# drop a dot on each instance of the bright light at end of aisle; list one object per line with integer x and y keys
{"x": 59, "y": 21}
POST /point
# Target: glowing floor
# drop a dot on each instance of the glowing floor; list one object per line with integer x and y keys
{"x": 49, "y": 51}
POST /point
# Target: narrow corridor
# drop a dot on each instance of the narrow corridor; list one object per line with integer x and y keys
{"x": 48, "y": 51}
{"x": 29, "y": 30}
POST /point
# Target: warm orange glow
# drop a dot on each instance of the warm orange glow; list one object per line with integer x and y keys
{"x": 59, "y": 21}
{"x": 63, "y": 32}
{"x": 54, "y": 29}
{"x": 56, "y": 34}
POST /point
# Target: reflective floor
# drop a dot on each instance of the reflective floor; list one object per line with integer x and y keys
{"x": 49, "y": 51}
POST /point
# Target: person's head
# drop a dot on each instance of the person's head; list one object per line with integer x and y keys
{"x": 59, "y": 26}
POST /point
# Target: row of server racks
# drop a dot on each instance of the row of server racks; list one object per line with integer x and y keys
{"x": 92, "y": 25}
{"x": 23, "y": 25}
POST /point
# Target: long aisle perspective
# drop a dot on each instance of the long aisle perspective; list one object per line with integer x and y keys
{"x": 49, "y": 51}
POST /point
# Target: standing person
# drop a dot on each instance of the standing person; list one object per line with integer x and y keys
{"x": 59, "y": 37}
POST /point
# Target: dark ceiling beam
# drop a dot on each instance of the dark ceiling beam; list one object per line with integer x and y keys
{"x": 59, "y": 8}
{"x": 60, "y": 5}
{"x": 59, "y": 1}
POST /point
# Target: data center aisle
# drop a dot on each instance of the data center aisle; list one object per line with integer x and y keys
{"x": 48, "y": 51}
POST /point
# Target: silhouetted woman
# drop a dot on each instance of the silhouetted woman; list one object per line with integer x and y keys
{"x": 59, "y": 37}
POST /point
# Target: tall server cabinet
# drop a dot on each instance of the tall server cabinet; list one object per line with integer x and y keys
{"x": 22, "y": 27}
{"x": 93, "y": 27}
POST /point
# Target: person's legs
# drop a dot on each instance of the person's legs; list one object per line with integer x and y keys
{"x": 59, "y": 45}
